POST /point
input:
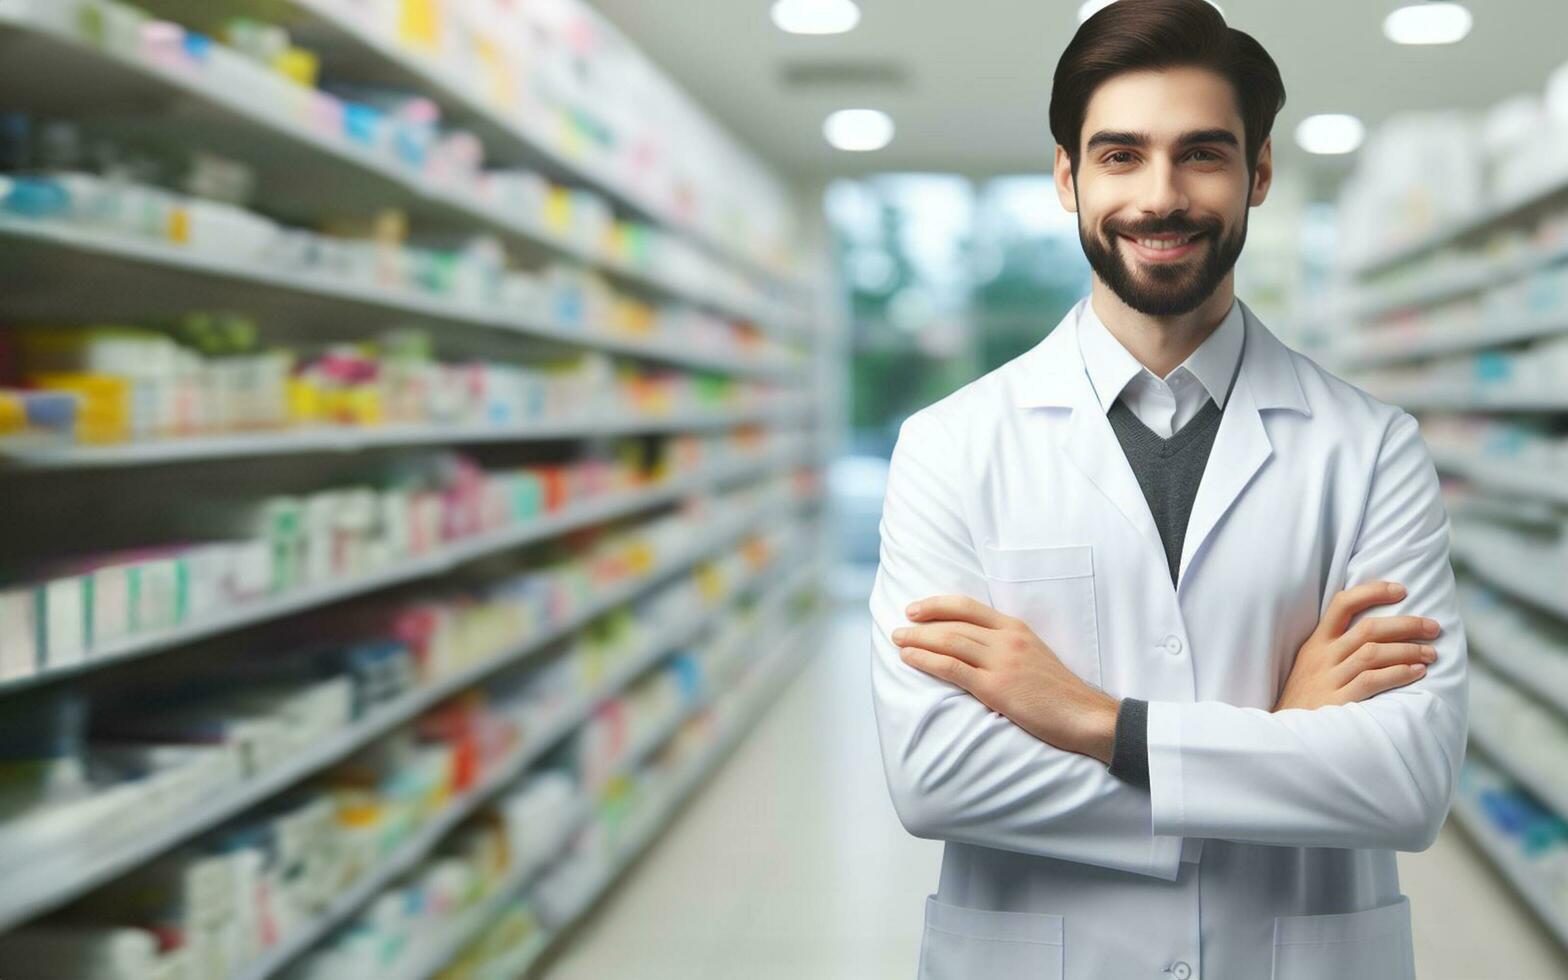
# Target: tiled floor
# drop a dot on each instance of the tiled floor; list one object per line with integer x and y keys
{"x": 791, "y": 865}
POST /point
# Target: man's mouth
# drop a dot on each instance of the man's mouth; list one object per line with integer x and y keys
{"x": 1163, "y": 248}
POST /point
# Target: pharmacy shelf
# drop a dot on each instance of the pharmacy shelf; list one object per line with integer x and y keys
{"x": 1542, "y": 483}
{"x": 242, "y": 122}
{"x": 445, "y": 559}
{"x": 76, "y": 871}
{"x": 1504, "y": 855}
{"x": 351, "y": 45}
{"x": 1513, "y": 574}
{"x": 1494, "y": 650}
{"x": 1549, "y": 788}
{"x": 1447, "y": 283}
{"x": 1520, "y": 206}
{"x": 1403, "y": 345}
{"x": 782, "y": 662}
{"x": 347, "y": 439}
{"x": 1452, "y": 398}
{"x": 413, "y": 851}
{"x": 43, "y": 265}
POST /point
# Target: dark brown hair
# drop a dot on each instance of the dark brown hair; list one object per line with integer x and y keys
{"x": 1150, "y": 35}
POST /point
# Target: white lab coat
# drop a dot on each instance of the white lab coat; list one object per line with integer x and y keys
{"x": 1264, "y": 846}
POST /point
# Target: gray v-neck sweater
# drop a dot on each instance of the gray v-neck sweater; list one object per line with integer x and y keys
{"x": 1168, "y": 472}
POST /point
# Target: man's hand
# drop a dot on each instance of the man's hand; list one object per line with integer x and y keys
{"x": 1336, "y": 666}
{"x": 1010, "y": 670}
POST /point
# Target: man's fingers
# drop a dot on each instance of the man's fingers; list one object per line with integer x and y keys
{"x": 954, "y": 639}
{"x": 1370, "y": 682}
{"x": 960, "y": 607}
{"x": 1372, "y": 656}
{"x": 949, "y": 669}
{"x": 1358, "y": 598}
{"x": 1392, "y": 629}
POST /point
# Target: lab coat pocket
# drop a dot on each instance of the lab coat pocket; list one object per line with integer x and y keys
{"x": 1374, "y": 943}
{"x": 1051, "y": 588}
{"x": 962, "y": 944}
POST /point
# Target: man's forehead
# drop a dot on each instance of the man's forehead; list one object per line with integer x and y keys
{"x": 1163, "y": 104}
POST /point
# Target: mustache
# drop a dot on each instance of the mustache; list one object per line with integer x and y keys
{"x": 1173, "y": 225}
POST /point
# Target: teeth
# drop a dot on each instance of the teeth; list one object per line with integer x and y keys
{"x": 1161, "y": 244}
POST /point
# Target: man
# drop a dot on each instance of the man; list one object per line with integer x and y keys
{"x": 1114, "y": 665}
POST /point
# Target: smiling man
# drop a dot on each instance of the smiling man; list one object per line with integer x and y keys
{"x": 1121, "y": 658}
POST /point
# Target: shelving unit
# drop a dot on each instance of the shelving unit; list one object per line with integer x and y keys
{"x": 1446, "y": 326}
{"x": 91, "y": 59}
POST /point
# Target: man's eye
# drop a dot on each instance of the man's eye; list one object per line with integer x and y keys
{"x": 1203, "y": 156}
{"x": 1119, "y": 156}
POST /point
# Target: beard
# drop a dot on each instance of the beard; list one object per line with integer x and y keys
{"x": 1164, "y": 289}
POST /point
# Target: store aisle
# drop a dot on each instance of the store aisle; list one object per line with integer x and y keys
{"x": 819, "y": 881}
{"x": 789, "y": 865}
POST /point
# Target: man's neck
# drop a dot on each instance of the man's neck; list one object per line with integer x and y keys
{"x": 1161, "y": 343}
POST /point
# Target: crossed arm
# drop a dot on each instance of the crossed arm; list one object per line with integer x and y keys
{"x": 987, "y": 739}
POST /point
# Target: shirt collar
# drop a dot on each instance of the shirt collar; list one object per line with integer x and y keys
{"x": 1111, "y": 366}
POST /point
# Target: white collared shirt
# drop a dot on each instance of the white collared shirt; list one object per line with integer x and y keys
{"x": 1163, "y": 404}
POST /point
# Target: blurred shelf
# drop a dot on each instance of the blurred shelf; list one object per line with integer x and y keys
{"x": 771, "y": 679}
{"x": 1443, "y": 284}
{"x": 1494, "y": 650}
{"x": 1551, "y": 790}
{"x": 1502, "y": 474}
{"x": 1499, "y": 214}
{"x": 353, "y": 47}
{"x": 413, "y": 851}
{"x": 54, "y": 882}
{"x": 1504, "y": 855}
{"x": 1505, "y": 398}
{"x": 349, "y": 439}
{"x": 247, "y": 123}
{"x": 1513, "y": 574}
{"x": 43, "y": 265}
{"x": 1410, "y": 345}
{"x": 444, "y": 559}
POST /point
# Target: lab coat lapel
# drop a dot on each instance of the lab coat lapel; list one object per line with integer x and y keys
{"x": 1241, "y": 447}
{"x": 1092, "y": 446}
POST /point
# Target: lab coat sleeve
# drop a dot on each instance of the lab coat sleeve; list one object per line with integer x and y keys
{"x": 957, "y": 770}
{"x": 1379, "y": 773}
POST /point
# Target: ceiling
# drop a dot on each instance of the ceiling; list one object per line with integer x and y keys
{"x": 976, "y": 74}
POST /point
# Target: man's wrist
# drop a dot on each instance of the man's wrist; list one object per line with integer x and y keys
{"x": 1097, "y": 737}
{"x": 1130, "y": 751}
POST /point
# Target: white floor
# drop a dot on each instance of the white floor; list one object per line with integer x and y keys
{"x": 791, "y": 865}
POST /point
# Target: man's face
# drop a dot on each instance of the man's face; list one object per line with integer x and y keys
{"x": 1162, "y": 189}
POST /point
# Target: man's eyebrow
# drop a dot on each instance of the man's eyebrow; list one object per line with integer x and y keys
{"x": 1123, "y": 137}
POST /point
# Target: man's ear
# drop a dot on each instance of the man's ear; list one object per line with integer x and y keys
{"x": 1062, "y": 171}
{"x": 1263, "y": 173}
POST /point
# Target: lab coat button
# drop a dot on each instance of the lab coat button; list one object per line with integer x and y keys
{"x": 1181, "y": 971}
{"x": 1173, "y": 644}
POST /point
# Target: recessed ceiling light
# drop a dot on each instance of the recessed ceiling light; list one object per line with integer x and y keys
{"x": 815, "y": 16}
{"x": 1091, "y": 7}
{"x": 858, "y": 130}
{"x": 1330, "y": 133}
{"x": 1437, "y": 22}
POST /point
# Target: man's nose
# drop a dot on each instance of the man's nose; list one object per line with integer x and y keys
{"x": 1162, "y": 193}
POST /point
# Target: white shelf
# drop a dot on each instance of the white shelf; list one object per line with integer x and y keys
{"x": 499, "y": 131}
{"x": 32, "y": 42}
{"x": 783, "y": 663}
{"x": 415, "y": 849}
{"x": 1406, "y": 345}
{"x": 1552, "y": 792}
{"x": 145, "y": 276}
{"x": 445, "y": 559}
{"x": 1502, "y": 474}
{"x": 1495, "y": 652}
{"x": 1513, "y": 574}
{"x": 62, "y": 877}
{"x": 1497, "y": 215}
{"x": 350, "y": 439}
{"x": 1505, "y": 857}
{"x": 1444, "y": 284}
{"x": 1495, "y": 398}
